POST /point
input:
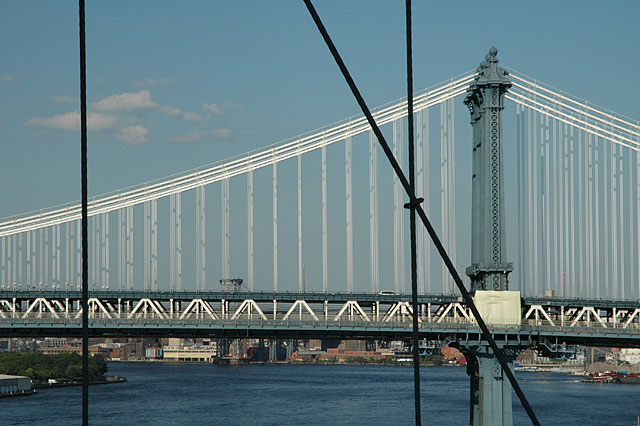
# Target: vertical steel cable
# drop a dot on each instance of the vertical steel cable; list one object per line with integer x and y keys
{"x": 412, "y": 220}
{"x": 85, "y": 259}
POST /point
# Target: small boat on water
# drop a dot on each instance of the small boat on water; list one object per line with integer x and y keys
{"x": 612, "y": 377}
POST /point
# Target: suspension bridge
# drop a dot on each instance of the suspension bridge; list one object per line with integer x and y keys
{"x": 576, "y": 216}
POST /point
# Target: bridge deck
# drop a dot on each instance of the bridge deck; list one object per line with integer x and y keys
{"x": 311, "y": 315}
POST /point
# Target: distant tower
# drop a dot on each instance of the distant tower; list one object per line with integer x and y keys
{"x": 485, "y": 100}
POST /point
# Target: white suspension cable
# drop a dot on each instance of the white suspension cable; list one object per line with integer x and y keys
{"x": 546, "y": 110}
{"x": 581, "y": 104}
{"x": 234, "y": 167}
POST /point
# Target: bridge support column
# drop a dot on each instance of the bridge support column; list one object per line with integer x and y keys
{"x": 291, "y": 347}
{"x": 485, "y": 99}
{"x": 490, "y": 402}
{"x": 273, "y": 350}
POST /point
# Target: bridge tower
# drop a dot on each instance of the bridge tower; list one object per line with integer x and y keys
{"x": 485, "y": 100}
{"x": 490, "y": 396}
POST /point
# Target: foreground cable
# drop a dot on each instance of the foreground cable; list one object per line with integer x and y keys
{"x": 412, "y": 221}
{"x": 85, "y": 254}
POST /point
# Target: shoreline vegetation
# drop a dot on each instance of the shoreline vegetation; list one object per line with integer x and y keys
{"x": 58, "y": 369}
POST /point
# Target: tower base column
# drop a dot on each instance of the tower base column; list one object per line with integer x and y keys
{"x": 490, "y": 392}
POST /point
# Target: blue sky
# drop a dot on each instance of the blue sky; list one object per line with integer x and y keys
{"x": 175, "y": 85}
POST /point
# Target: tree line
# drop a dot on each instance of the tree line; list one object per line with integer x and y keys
{"x": 65, "y": 367}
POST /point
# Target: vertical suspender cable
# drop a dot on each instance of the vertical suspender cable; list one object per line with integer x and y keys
{"x": 620, "y": 165}
{"x": 631, "y": 236}
{"x": 443, "y": 190}
{"x": 85, "y": 262}
{"x": 29, "y": 258}
{"x": 420, "y": 242}
{"x": 349, "y": 212}
{"x": 373, "y": 213}
{"x": 556, "y": 180}
{"x": 33, "y": 259}
{"x": 225, "y": 229}
{"x": 103, "y": 252}
{"x": 565, "y": 205}
{"x": 530, "y": 217}
{"x": 591, "y": 182}
{"x": 154, "y": 246}
{"x": 11, "y": 262}
{"x": 452, "y": 187}
{"x": 250, "y": 229}
{"x": 20, "y": 240}
{"x": 325, "y": 270}
{"x": 67, "y": 250}
{"x": 574, "y": 273}
{"x": 275, "y": 227}
{"x": 536, "y": 208}
{"x": 300, "y": 264}
{"x": 107, "y": 250}
{"x": 172, "y": 242}
{"x": 547, "y": 213}
{"x": 121, "y": 249}
{"x": 425, "y": 163}
{"x": 146, "y": 264}
{"x": 519, "y": 183}
{"x": 412, "y": 220}
{"x": 78, "y": 253}
{"x": 130, "y": 248}
{"x": 178, "y": 241}
{"x": 614, "y": 221}
{"x": 54, "y": 257}
{"x": 596, "y": 206}
{"x": 398, "y": 225}
{"x": 198, "y": 240}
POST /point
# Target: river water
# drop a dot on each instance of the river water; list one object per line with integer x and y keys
{"x": 204, "y": 394}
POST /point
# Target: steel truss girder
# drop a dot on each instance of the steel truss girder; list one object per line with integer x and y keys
{"x": 559, "y": 315}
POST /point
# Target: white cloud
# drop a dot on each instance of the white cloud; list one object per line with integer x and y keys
{"x": 222, "y": 133}
{"x": 63, "y": 99}
{"x": 212, "y": 108}
{"x": 126, "y": 102}
{"x": 134, "y": 135}
{"x": 174, "y": 112}
{"x": 7, "y": 77}
{"x": 97, "y": 121}
{"x": 151, "y": 82}
{"x": 71, "y": 121}
{"x": 219, "y": 109}
{"x": 190, "y": 116}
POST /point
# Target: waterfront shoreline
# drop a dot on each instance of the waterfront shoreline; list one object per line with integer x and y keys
{"x": 108, "y": 381}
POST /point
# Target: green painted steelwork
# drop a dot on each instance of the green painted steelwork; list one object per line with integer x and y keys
{"x": 489, "y": 269}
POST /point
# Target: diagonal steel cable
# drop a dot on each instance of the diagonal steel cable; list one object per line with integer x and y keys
{"x": 413, "y": 201}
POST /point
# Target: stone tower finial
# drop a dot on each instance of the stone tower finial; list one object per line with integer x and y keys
{"x": 491, "y": 56}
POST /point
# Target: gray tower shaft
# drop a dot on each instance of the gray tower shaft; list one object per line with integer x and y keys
{"x": 489, "y": 269}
